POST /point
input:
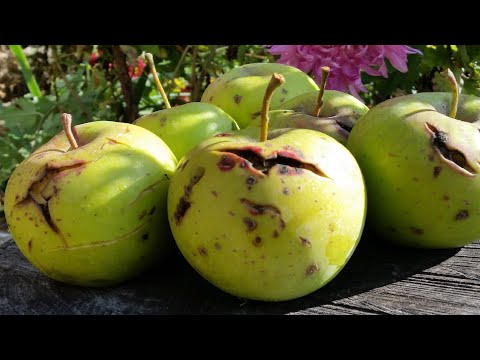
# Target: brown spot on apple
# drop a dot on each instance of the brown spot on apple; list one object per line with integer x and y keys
{"x": 312, "y": 269}
{"x": 202, "y": 251}
{"x": 218, "y": 246}
{"x": 250, "y": 223}
{"x": 305, "y": 242}
{"x": 257, "y": 241}
{"x": 237, "y": 99}
{"x": 436, "y": 171}
{"x": 30, "y": 246}
{"x": 461, "y": 215}
{"x": 416, "y": 231}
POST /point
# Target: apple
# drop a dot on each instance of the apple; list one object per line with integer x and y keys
{"x": 89, "y": 207}
{"x": 239, "y": 92}
{"x": 421, "y": 166}
{"x": 184, "y": 126}
{"x": 329, "y": 111}
{"x": 269, "y": 220}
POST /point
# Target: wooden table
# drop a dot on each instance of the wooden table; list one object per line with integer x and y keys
{"x": 379, "y": 279}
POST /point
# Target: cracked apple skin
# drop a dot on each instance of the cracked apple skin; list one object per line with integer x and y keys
{"x": 421, "y": 169}
{"x": 96, "y": 215}
{"x": 267, "y": 221}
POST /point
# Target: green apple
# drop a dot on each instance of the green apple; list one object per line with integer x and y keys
{"x": 329, "y": 111}
{"x": 421, "y": 167}
{"x": 270, "y": 220}
{"x": 239, "y": 92}
{"x": 182, "y": 127}
{"x": 89, "y": 207}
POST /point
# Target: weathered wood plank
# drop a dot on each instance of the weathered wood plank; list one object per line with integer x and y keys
{"x": 379, "y": 279}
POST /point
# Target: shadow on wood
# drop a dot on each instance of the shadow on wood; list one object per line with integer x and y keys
{"x": 175, "y": 288}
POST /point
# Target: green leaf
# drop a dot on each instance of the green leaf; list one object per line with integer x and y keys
{"x": 27, "y": 72}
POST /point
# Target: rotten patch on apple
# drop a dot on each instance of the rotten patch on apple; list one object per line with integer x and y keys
{"x": 449, "y": 153}
{"x": 184, "y": 203}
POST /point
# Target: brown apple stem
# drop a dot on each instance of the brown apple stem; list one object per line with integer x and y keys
{"x": 149, "y": 58}
{"x": 275, "y": 82}
{"x": 448, "y": 74}
{"x": 323, "y": 83}
{"x": 66, "y": 120}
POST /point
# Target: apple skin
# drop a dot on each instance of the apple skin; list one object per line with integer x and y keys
{"x": 105, "y": 218}
{"x": 269, "y": 237}
{"x": 240, "y": 91}
{"x": 339, "y": 114}
{"x": 417, "y": 198}
{"x": 182, "y": 127}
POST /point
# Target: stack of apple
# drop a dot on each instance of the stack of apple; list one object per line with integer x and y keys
{"x": 263, "y": 185}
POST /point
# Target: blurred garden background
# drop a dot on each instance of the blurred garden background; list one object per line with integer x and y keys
{"x": 113, "y": 82}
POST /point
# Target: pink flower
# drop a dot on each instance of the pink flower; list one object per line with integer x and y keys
{"x": 345, "y": 61}
{"x": 135, "y": 71}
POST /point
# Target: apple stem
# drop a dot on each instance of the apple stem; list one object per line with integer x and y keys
{"x": 275, "y": 82}
{"x": 448, "y": 74}
{"x": 66, "y": 120}
{"x": 149, "y": 58}
{"x": 323, "y": 83}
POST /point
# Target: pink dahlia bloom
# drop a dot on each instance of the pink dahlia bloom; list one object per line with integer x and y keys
{"x": 345, "y": 61}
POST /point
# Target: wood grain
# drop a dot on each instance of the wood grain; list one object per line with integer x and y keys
{"x": 379, "y": 279}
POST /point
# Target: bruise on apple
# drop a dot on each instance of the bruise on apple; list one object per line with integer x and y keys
{"x": 256, "y": 209}
{"x": 449, "y": 153}
{"x": 184, "y": 202}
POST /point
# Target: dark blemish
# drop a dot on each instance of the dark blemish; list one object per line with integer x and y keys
{"x": 30, "y": 218}
{"x": 45, "y": 232}
{"x": 305, "y": 242}
{"x": 290, "y": 253}
{"x": 237, "y": 99}
{"x": 163, "y": 119}
{"x": 259, "y": 209}
{"x": 17, "y": 197}
{"x": 231, "y": 213}
{"x": 182, "y": 207}
{"x": 46, "y": 214}
{"x": 30, "y": 246}
{"x": 255, "y": 115}
{"x": 311, "y": 269}
{"x": 184, "y": 164}
{"x": 251, "y": 224}
{"x": 431, "y": 157}
{"x": 184, "y": 203}
{"x": 415, "y": 179}
{"x": 57, "y": 219}
{"x": 142, "y": 214}
{"x": 392, "y": 155}
{"x": 285, "y": 191}
{"x": 152, "y": 210}
{"x": 257, "y": 241}
{"x": 416, "y": 230}
{"x": 331, "y": 227}
{"x": 211, "y": 98}
{"x": 446, "y": 197}
{"x": 226, "y": 163}
{"x": 251, "y": 180}
{"x": 284, "y": 91}
{"x": 223, "y": 135}
{"x": 436, "y": 171}
{"x": 144, "y": 236}
{"x": 166, "y": 176}
{"x": 461, "y": 215}
{"x": 214, "y": 193}
{"x": 202, "y": 251}
{"x": 439, "y": 140}
{"x": 218, "y": 246}
{"x": 275, "y": 233}
{"x": 299, "y": 188}
{"x": 282, "y": 100}
{"x": 69, "y": 235}
{"x": 282, "y": 224}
